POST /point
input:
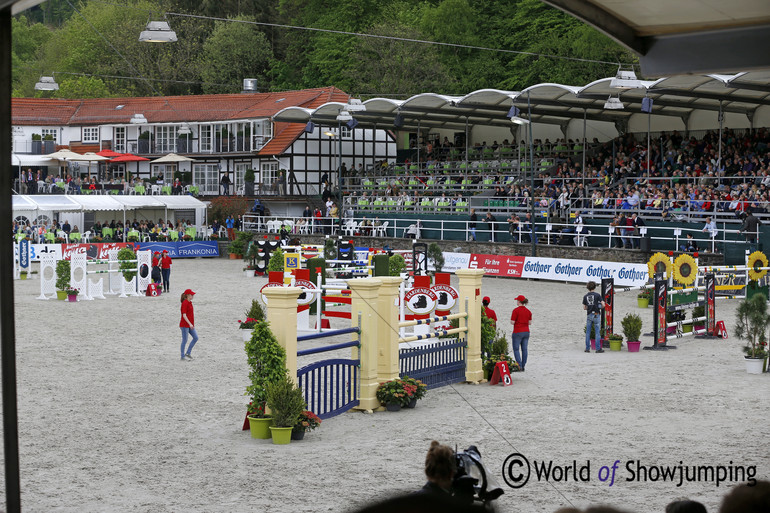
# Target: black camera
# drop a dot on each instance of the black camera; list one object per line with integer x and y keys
{"x": 472, "y": 482}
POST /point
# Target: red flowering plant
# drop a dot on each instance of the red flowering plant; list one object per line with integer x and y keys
{"x": 420, "y": 388}
{"x": 248, "y": 324}
{"x": 308, "y": 421}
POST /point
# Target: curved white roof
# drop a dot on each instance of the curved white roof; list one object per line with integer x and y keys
{"x": 674, "y": 97}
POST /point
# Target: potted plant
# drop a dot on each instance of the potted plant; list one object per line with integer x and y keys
{"x": 497, "y": 352}
{"x": 248, "y": 182}
{"x": 97, "y": 239}
{"x": 59, "y": 240}
{"x": 72, "y": 294}
{"x": 632, "y": 328}
{"x": 435, "y": 256}
{"x": 143, "y": 143}
{"x": 308, "y": 421}
{"x": 23, "y": 275}
{"x": 392, "y": 394}
{"x": 49, "y": 145}
{"x": 187, "y": 238}
{"x": 37, "y": 144}
{"x": 616, "y": 342}
{"x": 132, "y": 238}
{"x": 267, "y": 361}
{"x": 415, "y": 390}
{"x": 643, "y": 298}
{"x": 62, "y": 279}
{"x": 254, "y": 315}
{"x": 751, "y": 326}
{"x": 236, "y": 249}
{"x": 286, "y": 403}
{"x": 602, "y": 335}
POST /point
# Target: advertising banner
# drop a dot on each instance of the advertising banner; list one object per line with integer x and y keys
{"x": 498, "y": 265}
{"x": 183, "y": 249}
{"x": 96, "y": 250}
{"x": 583, "y": 271}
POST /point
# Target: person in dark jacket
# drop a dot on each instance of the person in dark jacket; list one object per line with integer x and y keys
{"x": 749, "y": 227}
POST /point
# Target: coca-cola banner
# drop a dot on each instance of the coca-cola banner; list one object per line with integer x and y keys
{"x": 98, "y": 251}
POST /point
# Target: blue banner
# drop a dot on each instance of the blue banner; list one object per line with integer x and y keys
{"x": 24, "y": 253}
{"x": 183, "y": 249}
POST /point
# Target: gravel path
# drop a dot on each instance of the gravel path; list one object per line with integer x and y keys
{"x": 111, "y": 420}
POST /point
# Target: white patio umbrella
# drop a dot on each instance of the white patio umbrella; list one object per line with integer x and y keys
{"x": 172, "y": 157}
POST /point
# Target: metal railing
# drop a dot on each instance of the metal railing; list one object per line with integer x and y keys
{"x": 673, "y": 238}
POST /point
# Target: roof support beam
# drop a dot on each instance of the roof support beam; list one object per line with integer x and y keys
{"x": 709, "y": 96}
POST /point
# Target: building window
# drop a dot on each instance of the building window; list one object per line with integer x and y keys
{"x": 165, "y": 138}
{"x": 53, "y": 132}
{"x": 119, "y": 141}
{"x": 91, "y": 135}
{"x": 205, "y": 176}
{"x": 205, "y": 137}
{"x": 269, "y": 176}
{"x": 346, "y": 132}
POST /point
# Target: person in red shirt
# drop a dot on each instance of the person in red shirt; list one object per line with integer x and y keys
{"x": 156, "y": 274}
{"x": 187, "y": 323}
{"x": 521, "y": 318}
{"x": 490, "y": 313}
{"x": 165, "y": 265}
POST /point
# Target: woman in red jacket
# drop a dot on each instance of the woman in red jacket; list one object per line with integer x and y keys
{"x": 521, "y": 318}
{"x": 187, "y": 323}
{"x": 165, "y": 265}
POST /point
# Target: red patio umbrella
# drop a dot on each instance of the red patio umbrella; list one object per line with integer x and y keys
{"x": 128, "y": 157}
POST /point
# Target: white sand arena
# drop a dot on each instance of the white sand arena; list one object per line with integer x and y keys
{"x": 111, "y": 420}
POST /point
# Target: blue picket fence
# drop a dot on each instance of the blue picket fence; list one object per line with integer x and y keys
{"x": 330, "y": 386}
{"x": 437, "y": 364}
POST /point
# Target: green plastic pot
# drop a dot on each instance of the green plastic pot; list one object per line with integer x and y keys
{"x": 23, "y": 276}
{"x": 61, "y": 295}
{"x": 615, "y": 345}
{"x": 259, "y": 427}
{"x": 281, "y": 435}
{"x": 643, "y": 302}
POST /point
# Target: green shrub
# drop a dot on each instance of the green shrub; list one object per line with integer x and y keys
{"x": 128, "y": 268}
{"x": 632, "y": 326}
{"x": 285, "y": 401}
{"x": 236, "y": 247}
{"x": 256, "y": 311}
{"x": 436, "y": 256}
{"x": 276, "y": 261}
{"x": 330, "y": 250}
{"x": 396, "y": 265}
{"x": 62, "y": 274}
{"x": 267, "y": 361}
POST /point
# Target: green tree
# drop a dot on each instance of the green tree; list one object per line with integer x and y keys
{"x": 234, "y": 51}
{"x": 82, "y": 87}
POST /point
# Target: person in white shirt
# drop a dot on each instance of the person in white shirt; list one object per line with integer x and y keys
{"x": 711, "y": 227}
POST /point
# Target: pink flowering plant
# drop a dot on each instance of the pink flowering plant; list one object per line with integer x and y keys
{"x": 71, "y": 291}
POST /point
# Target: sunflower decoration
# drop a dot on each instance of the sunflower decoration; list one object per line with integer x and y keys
{"x": 659, "y": 263}
{"x": 757, "y": 261}
{"x": 685, "y": 269}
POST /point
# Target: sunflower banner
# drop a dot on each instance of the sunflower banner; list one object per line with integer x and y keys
{"x": 659, "y": 263}
{"x": 757, "y": 265}
{"x": 685, "y": 269}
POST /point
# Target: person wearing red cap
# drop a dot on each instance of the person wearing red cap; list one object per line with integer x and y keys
{"x": 165, "y": 264}
{"x": 521, "y": 318}
{"x": 488, "y": 311}
{"x": 187, "y": 323}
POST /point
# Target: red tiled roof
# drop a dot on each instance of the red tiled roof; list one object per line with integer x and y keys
{"x": 171, "y": 109}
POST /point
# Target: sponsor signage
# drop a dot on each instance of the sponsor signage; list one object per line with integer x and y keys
{"x": 100, "y": 251}
{"x": 270, "y": 284}
{"x": 183, "y": 249}
{"x": 583, "y": 271}
{"x": 446, "y": 296}
{"x": 305, "y": 298}
{"x": 420, "y": 300}
{"x": 24, "y": 253}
